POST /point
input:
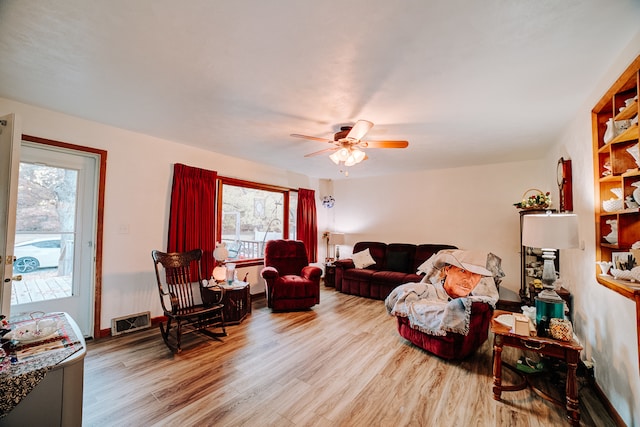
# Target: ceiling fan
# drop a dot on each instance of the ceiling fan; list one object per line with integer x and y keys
{"x": 347, "y": 143}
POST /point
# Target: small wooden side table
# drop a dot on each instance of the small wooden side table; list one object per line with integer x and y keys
{"x": 568, "y": 351}
{"x": 330, "y": 274}
{"x": 237, "y": 302}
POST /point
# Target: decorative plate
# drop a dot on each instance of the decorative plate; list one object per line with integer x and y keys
{"x": 506, "y": 320}
{"x": 34, "y": 331}
{"x": 625, "y": 274}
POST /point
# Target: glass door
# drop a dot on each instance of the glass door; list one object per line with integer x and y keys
{"x": 54, "y": 233}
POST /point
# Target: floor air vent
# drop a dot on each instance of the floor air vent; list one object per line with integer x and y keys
{"x": 130, "y": 323}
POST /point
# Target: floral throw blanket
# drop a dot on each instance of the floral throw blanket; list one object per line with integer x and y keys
{"x": 430, "y": 310}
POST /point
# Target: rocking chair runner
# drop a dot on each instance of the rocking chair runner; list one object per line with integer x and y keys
{"x": 175, "y": 284}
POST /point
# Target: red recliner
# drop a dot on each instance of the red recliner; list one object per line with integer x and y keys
{"x": 452, "y": 345}
{"x": 291, "y": 283}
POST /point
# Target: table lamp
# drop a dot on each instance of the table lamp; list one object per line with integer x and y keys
{"x": 336, "y": 239}
{"x": 220, "y": 254}
{"x": 549, "y": 232}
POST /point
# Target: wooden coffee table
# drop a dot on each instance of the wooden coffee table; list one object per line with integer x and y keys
{"x": 568, "y": 351}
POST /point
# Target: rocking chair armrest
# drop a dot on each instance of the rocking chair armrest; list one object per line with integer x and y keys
{"x": 212, "y": 295}
{"x": 173, "y": 300}
{"x": 175, "y": 304}
{"x": 269, "y": 273}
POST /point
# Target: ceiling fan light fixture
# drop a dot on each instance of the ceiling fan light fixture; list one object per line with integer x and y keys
{"x": 349, "y": 156}
{"x": 335, "y": 157}
{"x": 358, "y": 155}
{"x": 348, "y": 141}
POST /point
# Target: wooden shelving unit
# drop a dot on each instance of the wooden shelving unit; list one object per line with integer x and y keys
{"x": 615, "y": 167}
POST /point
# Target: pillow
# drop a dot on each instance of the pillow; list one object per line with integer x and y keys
{"x": 363, "y": 259}
{"x": 398, "y": 261}
{"x": 494, "y": 265}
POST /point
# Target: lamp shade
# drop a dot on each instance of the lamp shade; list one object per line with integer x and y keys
{"x": 554, "y": 231}
{"x": 336, "y": 238}
{"x": 220, "y": 253}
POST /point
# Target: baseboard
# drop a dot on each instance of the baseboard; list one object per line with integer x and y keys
{"x": 584, "y": 372}
{"x": 258, "y": 296}
{"x": 608, "y": 407}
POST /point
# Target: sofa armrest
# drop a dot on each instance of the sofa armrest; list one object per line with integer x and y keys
{"x": 344, "y": 263}
{"x": 341, "y": 266}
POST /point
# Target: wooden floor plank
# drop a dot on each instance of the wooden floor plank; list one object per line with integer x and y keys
{"x": 340, "y": 364}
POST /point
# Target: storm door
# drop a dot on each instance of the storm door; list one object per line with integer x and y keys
{"x": 55, "y": 228}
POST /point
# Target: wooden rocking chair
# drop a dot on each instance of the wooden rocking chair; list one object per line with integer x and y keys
{"x": 176, "y": 282}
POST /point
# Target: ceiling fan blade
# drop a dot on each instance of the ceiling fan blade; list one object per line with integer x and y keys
{"x": 359, "y": 130}
{"x": 312, "y": 138}
{"x": 384, "y": 144}
{"x": 326, "y": 150}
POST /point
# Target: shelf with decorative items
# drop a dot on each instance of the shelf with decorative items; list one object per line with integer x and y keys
{"x": 617, "y": 168}
{"x": 616, "y": 162}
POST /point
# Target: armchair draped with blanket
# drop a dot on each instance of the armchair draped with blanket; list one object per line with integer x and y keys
{"x": 430, "y": 318}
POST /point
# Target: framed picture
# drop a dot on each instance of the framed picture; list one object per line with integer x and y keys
{"x": 565, "y": 185}
{"x": 620, "y": 260}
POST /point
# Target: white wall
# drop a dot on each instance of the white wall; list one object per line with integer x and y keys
{"x": 605, "y": 322}
{"x": 470, "y": 207}
{"x": 138, "y": 185}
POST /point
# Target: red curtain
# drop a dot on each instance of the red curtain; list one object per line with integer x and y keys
{"x": 306, "y": 222}
{"x": 192, "y": 216}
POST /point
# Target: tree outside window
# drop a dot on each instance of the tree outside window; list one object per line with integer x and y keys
{"x": 251, "y": 215}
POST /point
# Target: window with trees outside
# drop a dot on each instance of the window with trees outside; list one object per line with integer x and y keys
{"x": 250, "y": 214}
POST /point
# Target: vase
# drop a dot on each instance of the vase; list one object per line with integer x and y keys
{"x": 610, "y": 133}
{"x": 634, "y": 150}
{"x": 605, "y": 266}
{"x": 612, "y": 237}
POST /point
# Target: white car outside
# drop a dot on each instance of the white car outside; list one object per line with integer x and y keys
{"x": 38, "y": 253}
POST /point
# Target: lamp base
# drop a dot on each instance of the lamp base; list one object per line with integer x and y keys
{"x": 549, "y": 294}
{"x": 549, "y": 306}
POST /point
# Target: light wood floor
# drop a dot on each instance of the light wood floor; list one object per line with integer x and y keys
{"x": 340, "y": 364}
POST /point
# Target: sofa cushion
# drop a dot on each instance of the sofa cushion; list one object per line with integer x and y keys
{"x": 425, "y": 251}
{"x": 363, "y": 259}
{"x": 397, "y": 261}
{"x": 359, "y": 273}
{"x": 378, "y": 251}
{"x": 394, "y": 278}
{"x": 399, "y": 257}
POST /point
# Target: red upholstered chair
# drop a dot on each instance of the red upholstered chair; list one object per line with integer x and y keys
{"x": 452, "y": 345}
{"x": 292, "y": 284}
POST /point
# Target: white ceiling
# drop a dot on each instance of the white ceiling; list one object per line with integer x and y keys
{"x": 465, "y": 82}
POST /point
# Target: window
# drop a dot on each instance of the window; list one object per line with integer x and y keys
{"x": 250, "y": 214}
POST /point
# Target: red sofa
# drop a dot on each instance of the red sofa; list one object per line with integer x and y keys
{"x": 395, "y": 264}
